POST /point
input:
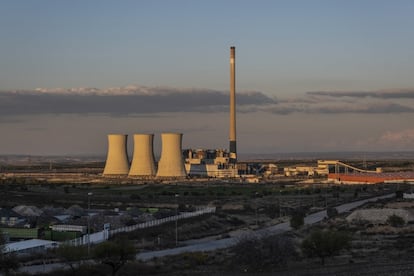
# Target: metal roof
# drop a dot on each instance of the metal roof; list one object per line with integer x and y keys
{"x": 28, "y": 244}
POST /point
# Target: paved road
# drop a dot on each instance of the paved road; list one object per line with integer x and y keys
{"x": 211, "y": 245}
{"x": 207, "y": 244}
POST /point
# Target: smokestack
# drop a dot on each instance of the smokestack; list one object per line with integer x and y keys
{"x": 233, "y": 147}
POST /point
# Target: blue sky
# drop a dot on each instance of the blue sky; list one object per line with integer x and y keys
{"x": 284, "y": 49}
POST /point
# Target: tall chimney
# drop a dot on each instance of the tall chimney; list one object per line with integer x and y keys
{"x": 233, "y": 147}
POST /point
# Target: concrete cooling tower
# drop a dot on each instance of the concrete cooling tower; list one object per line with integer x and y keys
{"x": 171, "y": 163}
{"x": 117, "y": 159}
{"x": 143, "y": 163}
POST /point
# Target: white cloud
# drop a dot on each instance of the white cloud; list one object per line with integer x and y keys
{"x": 403, "y": 137}
{"x": 136, "y": 99}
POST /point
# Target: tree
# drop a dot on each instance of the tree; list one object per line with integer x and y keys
{"x": 256, "y": 253}
{"x": 331, "y": 212}
{"x": 325, "y": 243}
{"x": 248, "y": 252}
{"x": 8, "y": 260}
{"x": 297, "y": 219}
{"x": 395, "y": 221}
{"x": 71, "y": 254}
{"x": 115, "y": 253}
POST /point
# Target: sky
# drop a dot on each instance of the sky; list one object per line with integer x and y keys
{"x": 312, "y": 76}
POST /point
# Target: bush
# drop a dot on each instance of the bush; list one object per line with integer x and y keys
{"x": 298, "y": 219}
{"x": 134, "y": 197}
{"x": 331, "y": 212}
{"x": 395, "y": 221}
{"x": 258, "y": 253}
{"x": 271, "y": 210}
{"x": 71, "y": 254}
{"x": 115, "y": 253}
{"x": 8, "y": 261}
{"x": 325, "y": 243}
{"x": 195, "y": 258}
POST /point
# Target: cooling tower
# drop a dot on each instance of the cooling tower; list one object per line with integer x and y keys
{"x": 171, "y": 163}
{"x": 143, "y": 159}
{"x": 232, "y": 136}
{"x": 117, "y": 159}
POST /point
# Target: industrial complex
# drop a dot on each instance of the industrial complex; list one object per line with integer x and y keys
{"x": 174, "y": 162}
{"x": 177, "y": 214}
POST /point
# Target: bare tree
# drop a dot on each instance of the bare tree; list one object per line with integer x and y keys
{"x": 8, "y": 260}
{"x": 261, "y": 252}
{"x": 115, "y": 253}
{"x": 71, "y": 255}
{"x": 325, "y": 243}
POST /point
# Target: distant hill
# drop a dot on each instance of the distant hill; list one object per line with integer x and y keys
{"x": 407, "y": 155}
{"x": 68, "y": 159}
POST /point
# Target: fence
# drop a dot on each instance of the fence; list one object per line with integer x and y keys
{"x": 104, "y": 235}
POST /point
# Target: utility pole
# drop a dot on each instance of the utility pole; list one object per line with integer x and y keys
{"x": 280, "y": 205}
{"x": 313, "y": 194}
{"x": 89, "y": 223}
{"x": 176, "y": 219}
{"x": 257, "y": 223}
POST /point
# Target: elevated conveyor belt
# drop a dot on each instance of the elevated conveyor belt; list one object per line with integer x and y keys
{"x": 338, "y": 163}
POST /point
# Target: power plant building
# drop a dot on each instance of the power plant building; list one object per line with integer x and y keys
{"x": 209, "y": 163}
{"x": 202, "y": 163}
{"x": 117, "y": 159}
{"x": 171, "y": 163}
{"x": 143, "y": 161}
{"x": 218, "y": 163}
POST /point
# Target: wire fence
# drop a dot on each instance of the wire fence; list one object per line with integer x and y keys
{"x": 104, "y": 235}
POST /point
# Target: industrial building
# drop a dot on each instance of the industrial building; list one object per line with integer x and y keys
{"x": 218, "y": 163}
{"x": 340, "y": 172}
{"x": 371, "y": 178}
{"x": 202, "y": 163}
{"x": 209, "y": 163}
{"x": 321, "y": 169}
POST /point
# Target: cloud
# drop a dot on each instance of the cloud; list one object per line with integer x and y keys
{"x": 398, "y": 137}
{"x": 339, "y": 108}
{"x": 382, "y": 94}
{"x": 340, "y": 102}
{"x": 122, "y": 101}
{"x": 36, "y": 129}
{"x": 153, "y": 101}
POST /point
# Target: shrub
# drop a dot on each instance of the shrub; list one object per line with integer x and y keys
{"x": 195, "y": 258}
{"x": 258, "y": 253}
{"x": 71, "y": 254}
{"x": 115, "y": 253}
{"x": 331, "y": 212}
{"x": 325, "y": 243}
{"x": 297, "y": 219}
{"x": 134, "y": 197}
{"x": 8, "y": 261}
{"x": 395, "y": 221}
